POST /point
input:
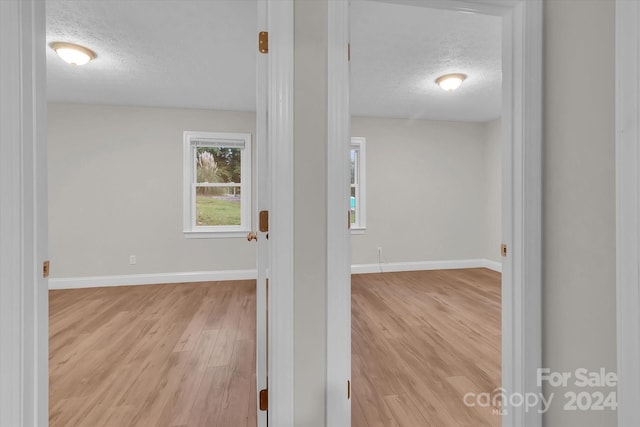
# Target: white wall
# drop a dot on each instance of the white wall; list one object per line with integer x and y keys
{"x": 432, "y": 190}
{"x": 579, "y": 287}
{"x": 310, "y": 206}
{"x": 115, "y": 189}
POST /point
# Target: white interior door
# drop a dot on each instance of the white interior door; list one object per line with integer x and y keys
{"x": 262, "y": 205}
{"x": 23, "y": 216}
{"x": 338, "y": 208}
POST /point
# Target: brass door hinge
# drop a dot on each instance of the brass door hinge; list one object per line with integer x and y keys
{"x": 264, "y": 221}
{"x": 348, "y": 390}
{"x": 263, "y": 42}
{"x": 503, "y": 249}
{"x": 45, "y": 269}
{"x": 264, "y": 399}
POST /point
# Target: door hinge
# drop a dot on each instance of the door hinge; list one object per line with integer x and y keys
{"x": 348, "y": 390}
{"x": 264, "y": 399}
{"x": 45, "y": 269}
{"x": 349, "y": 219}
{"x": 264, "y": 221}
{"x": 263, "y": 42}
{"x": 503, "y": 249}
{"x": 349, "y": 52}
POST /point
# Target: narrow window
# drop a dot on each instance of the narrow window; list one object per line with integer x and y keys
{"x": 358, "y": 185}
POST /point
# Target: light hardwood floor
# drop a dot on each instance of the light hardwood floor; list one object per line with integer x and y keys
{"x": 184, "y": 355}
{"x": 421, "y": 341}
{"x": 161, "y": 355}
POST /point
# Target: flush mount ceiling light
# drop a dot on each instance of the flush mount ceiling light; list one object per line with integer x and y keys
{"x": 450, "y": 82}
{"x": 72, "y": 53}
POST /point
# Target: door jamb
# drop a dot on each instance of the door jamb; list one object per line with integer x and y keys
{"x": 522, "y": 202}
{"x": 338, "y": 407}
{"x": 628, "y": 210}
{"x": 261, "y": 184}
{"x": 281, "y": 164}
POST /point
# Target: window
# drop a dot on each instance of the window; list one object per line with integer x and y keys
{"x": 217, "y": 184}
{"x": 358, "y": 187}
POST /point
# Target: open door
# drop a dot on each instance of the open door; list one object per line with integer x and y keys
{"x": 339, "y": 219}
{"x": 261, "y": 215}
{"x": 23, "y": 216}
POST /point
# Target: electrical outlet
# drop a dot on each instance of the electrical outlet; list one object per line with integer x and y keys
{"x": 132, "y": 259}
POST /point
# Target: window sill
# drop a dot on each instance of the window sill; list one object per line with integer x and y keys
{"x": 215, "y": 234}
{"x": 358, "y": 230}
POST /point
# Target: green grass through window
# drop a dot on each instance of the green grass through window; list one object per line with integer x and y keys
{"x": 211, "y": 211}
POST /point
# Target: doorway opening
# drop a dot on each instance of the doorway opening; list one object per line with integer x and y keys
{"x": 426, "y": 293}
{"x": 521, "y": 23}
{"x": 154, "y": 179}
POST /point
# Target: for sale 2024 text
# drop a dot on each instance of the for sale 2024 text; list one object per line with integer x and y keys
{"x": 593, "y": 398}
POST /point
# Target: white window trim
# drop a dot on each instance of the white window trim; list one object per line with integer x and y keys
{"x": 189, "y": 228}
{"x": 360, "y": 226}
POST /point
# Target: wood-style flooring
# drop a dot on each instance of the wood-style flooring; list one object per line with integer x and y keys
{"x": 184, "y": 355}
{"x": 421, "y": 341}
{"x": 160, "y": 355}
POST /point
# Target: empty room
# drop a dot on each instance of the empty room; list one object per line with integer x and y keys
{"x": 426, "y": 92}
{"x": 152, "y": 149}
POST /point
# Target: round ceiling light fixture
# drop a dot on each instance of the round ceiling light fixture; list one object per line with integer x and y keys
{"x": 450, "y": 82}
{"x": 72, "y": 53}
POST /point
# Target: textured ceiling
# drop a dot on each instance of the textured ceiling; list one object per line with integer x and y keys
{"x": 201, "y": 54}
{"x": 166, "y": 53}
{"x": 398, "y": 51}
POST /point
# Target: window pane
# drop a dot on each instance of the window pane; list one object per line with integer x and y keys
{"x": 216, "y": 165}
{"x": 353, "y": 205}
{"x": 353, "y": 166}
{"x": 217, "y": 206}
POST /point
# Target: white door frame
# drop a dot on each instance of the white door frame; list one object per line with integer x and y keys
{"x": 522, "y": 202}
{"x": 338, "y": 209}
{"x": 262, "y": 201}
{"x": 24, "y": 339}
{"x": 280, "y": 159}
{"x": 628, "y": 210}
{"x": 24, "y": 380}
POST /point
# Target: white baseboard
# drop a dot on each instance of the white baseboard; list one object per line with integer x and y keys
{"x": 150, "y": 279}
{"x": 213, "y": 276}
{"x": 426, "y": 265}
{"x": 492, "y": 265}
